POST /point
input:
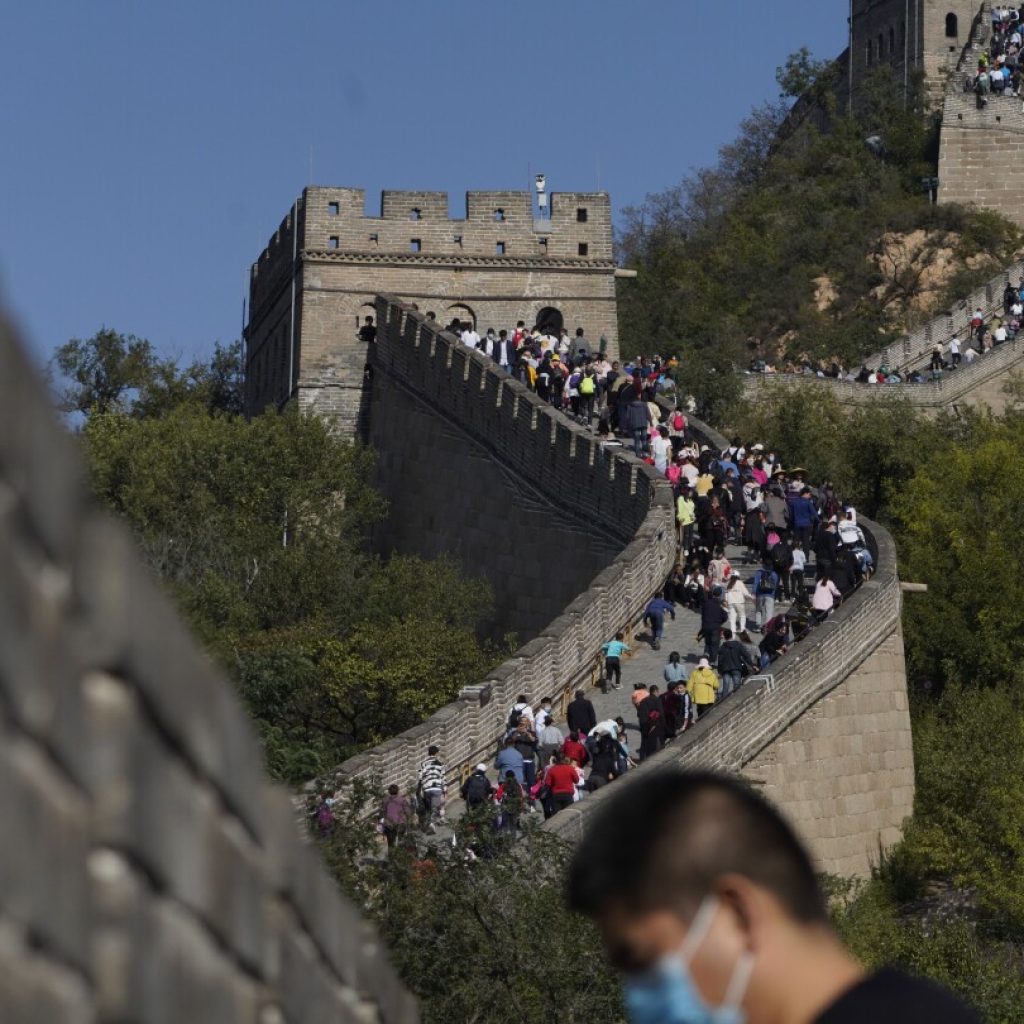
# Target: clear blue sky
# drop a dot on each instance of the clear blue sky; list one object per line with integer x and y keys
{"x": 151, "y": 148}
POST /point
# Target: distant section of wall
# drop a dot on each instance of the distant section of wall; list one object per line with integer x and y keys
{"x": 608, "y": 529}
{"x": 980, "y": 148}
{"x": 982, "y": 383}
{"x": 148, "y": 871}
{"x": 807, "y": 737}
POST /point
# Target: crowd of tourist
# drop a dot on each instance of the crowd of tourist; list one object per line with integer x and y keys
{"x": 980, "y": 338}
{"x": 999, "y": 68}
{"x": 802, "y": 553}
{"x": 762, "y": 557}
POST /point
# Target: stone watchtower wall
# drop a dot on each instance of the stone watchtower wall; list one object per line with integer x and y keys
{"x": 981, "y": 151}
{"x": 575, "y": 536}
{"x": 316, "y": 280}
{"x": 148, "y": 870}
{"x": 923, "y": 36}
{"x": 829, "y": 742}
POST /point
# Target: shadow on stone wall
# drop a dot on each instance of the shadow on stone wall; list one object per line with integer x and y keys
{"x": 148, "y": 871}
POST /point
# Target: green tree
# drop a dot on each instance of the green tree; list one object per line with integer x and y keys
{"x": 959, "y": 520}
{"x": 112, "y": 372}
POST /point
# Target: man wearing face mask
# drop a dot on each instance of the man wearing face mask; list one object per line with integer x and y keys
{"x": 710, "y": 908}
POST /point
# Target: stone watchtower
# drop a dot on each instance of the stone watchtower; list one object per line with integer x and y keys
{"x": 317, "y": 279}
{"x": 909, "y": 35}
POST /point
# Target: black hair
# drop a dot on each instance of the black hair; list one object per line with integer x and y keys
{"x": 664, "y": 840}
{"x": 432, "y": 750}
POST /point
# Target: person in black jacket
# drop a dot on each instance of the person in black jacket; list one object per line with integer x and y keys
{"x": 651, "y": 716}
{"x": 581, "y": 716}
{"x": 734, "y": 925}
{"x": 825, "y": 548}
{"x": 733, "y": 661}
{"x": 713, "y": 617}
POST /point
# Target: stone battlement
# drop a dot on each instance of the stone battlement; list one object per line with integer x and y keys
{"x": 612, "y": 523}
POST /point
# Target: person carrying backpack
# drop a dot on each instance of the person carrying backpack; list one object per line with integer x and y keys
{"x": 477, "y": 789}
{"x": 510, "y": 798}
{"x": 588, "y": 393}
{"x": 766, "y": 583}
{"x": 781, "y": 562}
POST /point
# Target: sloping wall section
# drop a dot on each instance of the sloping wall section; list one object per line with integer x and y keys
{"x": 606, "y": 540}
{"x": 148, "y": 871}
{"x": 829, "y": 739}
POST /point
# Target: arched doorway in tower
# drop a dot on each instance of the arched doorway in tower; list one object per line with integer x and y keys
{"x": 550, "y": 321}
{"x": 461, "y": 312}
{"x": 952, "y": 28}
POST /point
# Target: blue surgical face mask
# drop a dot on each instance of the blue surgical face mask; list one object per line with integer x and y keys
{"x": 667, "y": 993}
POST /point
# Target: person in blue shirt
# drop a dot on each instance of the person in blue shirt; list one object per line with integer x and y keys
{"x": 654, "y": 616}
{"x": 613, "y": 652}
{"x": 675, "y": 671}
{"x": 805, "y": 518}
{"x": 766, "y": 585}
{"x": 510, "y": 760}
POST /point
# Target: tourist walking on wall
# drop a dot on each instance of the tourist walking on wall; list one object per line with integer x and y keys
{"x": 734, "y": 662}
{"x": 654, "y": 617}
{"x": 637, "y": 423}
{"x": 651, "y": 718}
{"x": 703, "y": 686}
{"x": 395, "y": 816}
{"x": 766, "y": 583}
{"x": 477, "y": 789}
{"x": 613, "y": 652}
{"x": 826, "y": 597}
{"x": 713, "y": 616}
{"x": 736, "y": 595}
{"x": 561, "y": 779}
{"x": 431, "y": 788}
{"x": 581, "y": 716}
{"x": 549, "y": 741}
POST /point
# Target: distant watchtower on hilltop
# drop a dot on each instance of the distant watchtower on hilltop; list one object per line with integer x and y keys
{"x": 909, "y": 36}
{"x": 981, "y": 144}
{"x": 318, "y": 276}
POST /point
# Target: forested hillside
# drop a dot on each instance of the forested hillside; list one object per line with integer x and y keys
{"x": 803, "y": 242}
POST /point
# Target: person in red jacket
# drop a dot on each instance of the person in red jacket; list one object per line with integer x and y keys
{"x": 574, "y": 750}
{"x": 561, "y": 779}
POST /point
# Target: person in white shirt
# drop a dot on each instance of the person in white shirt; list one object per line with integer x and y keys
{"x": 970, "y": 355}
{"x": 661, "y": 449}
{"x": 826, "y": 597}
{"x": 1000, "y": 334}
{"x": 954, "y": 352}
{"x": 522, "y": 709}
{"x": 796, "y": 571}
{"x": 470, "y": 338}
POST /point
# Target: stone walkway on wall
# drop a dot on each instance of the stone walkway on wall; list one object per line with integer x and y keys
{"x": 645, "y": 665}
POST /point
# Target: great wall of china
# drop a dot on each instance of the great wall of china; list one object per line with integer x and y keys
{"x": 156, "y": 875}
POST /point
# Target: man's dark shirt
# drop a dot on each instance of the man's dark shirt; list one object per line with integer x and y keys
{"x": 891, "y": 997}
{"x": 581, "y": 715}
